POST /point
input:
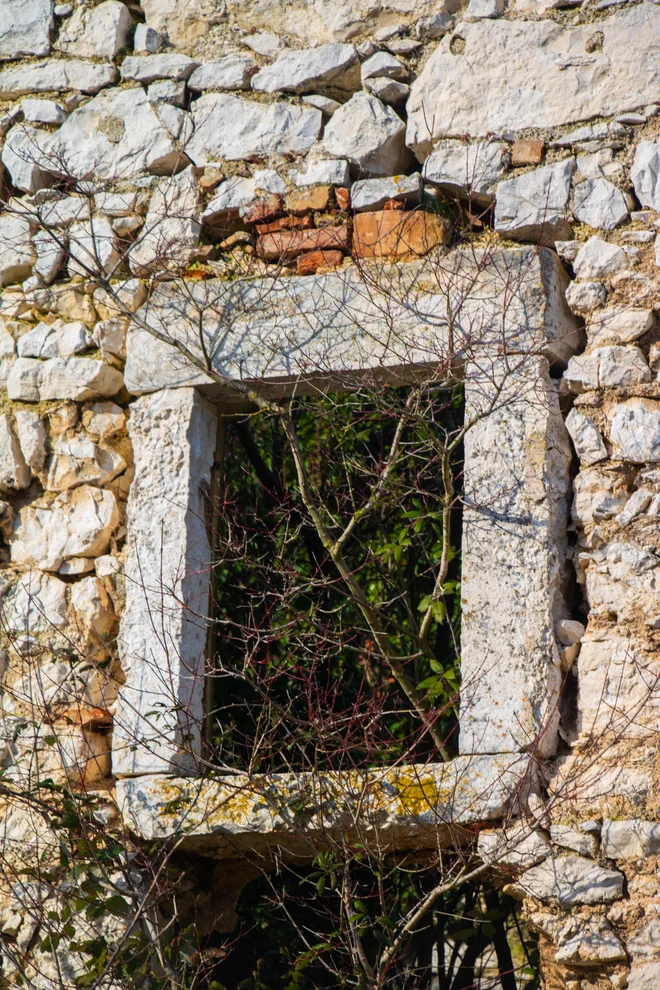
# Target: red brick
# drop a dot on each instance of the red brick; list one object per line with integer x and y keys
{"x": 307, "y": 264}
{"x": 392, "y": 234}
{"x": 285, "y": 245}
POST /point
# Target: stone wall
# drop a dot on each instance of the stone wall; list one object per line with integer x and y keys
{"x": 295, "y": 143}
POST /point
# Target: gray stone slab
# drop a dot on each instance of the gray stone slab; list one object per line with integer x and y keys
{"x": 162, "y": 637}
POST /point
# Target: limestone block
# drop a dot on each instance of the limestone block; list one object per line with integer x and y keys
{"x": 146, "y": 39}
{"x": 645, "y": 174}
{"x": 26, "y": 28}
{"x": 643, "y": 948}
{"x": 585, "y": 297}
{"x": 33, "y": 603}
{"x": 62, "y": 211}
{"x": 620, "y": 324}
{"x": 171, "y": 229}
{"x": 368, "y": 133}
{"x": 25, "y": 147}
{"x": 328, "y": 67}
{"x": 372, "y": 194}
{"x": 182, "y": 22}
{"x": 516, "y": 495}
{"x": 55, "y": 75}
{"x": 74, "y": 378}
{"x": 635, "y": 430}
{"x": 32, "y": 438}
{"x": 467, "y": 169}
{"x": 229, "y": 127}
{"x": 58, "y": 339}
{"x": 636, "y": 504}
{"x": 280, "y": 328}
{"x": 383, "y": 64}
{"x": 50, "y": 252}
{"x": 17, "y": 254}
{"x": 116, "y": 134}
{"x": 331, "y": 172}
{"x": 78, "y": 461}
{"x": 14, "y": 472}
{"x": 600, "y": 204}
{"x": 76, "y": 524}
{"x": 93, "y": 615}
{"x": 229, "y": 72}
{"x": 621, "y": 366}
{"x": 598, "y": 258}
{"x": 110, "y": 337}
{"x": 545, "y": 70}
{"x": 93, "y": 248}
{"x": 633, "y": 839}
{"x": 147, "y": 68}
{"x": 534, "y": 206}
{"x": 96, "y": 32}
{"x": 388, "y": 90}
{"x": 43, "y": 111}
{"x": 586, "y": 437}
{"x": 396, "y": 801}
{"x": 575, "y": 839}
{"x": 517, "y": 847}
{"x": 167, "y": 91}
{"x": 103, "y": 419}
{"x": 586, "y": 944}
{"x": 167, "y": 584}
{"x": 128, "y": 295}
{"x": 568, "y": 880}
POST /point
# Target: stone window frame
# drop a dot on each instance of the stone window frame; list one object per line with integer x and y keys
{"x": 510, "y": 663}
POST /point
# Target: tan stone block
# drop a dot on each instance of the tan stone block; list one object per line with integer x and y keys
{"x": 391, "y": 233}
{"x": 527, "y": 152}
{"x": 308, "y": 200}
{"x": 288, "y": 244}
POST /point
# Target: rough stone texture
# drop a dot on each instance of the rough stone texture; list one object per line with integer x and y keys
{"x": 517, "y": 486}
{"x": 173, "y": 436}
{"x": 368, "y": 133}
{"x": 26, "y": 28}
{"x": 327, "y": 67}
{"x": 600, "y": 203}
{"x": 242, "y": 811}
{"x": 229, "y": 127}
{"x": 76, "y": 524}
{"x": 569, "y": 880}
{"x": 55, "y": 74}
{"x": 116, "y": 134}
{"x": 542, "y": 71}
{"x": 62, "y": 378}
{"x": 467, "y": 169}
{"x": 635, "y": 430}
{"x": 534, "y": 206}
{"x": 282, "y": 329}
{"x": 630, "y": 839}
{"x": 230, "y": 72}
{"x": 96, "y": 32}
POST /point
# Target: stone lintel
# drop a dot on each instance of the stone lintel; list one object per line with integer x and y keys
{"x": 402, "y": 807}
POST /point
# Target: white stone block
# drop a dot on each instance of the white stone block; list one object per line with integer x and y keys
{"x": 632, "y": 839}
{"x": 146, "y": 39}
{"x": 331, "y": 66}
{"x": 331, "y": 172}
{"x": 570, "y": 880}
{"x": 148, "y": 68}
{"x": 600, "y": 204}
{"x": 534, "y": 206}
{"x": 635, "y": 430}
{"x": 586, "y": 437}
{"x": 58, "y": 339}
{"x": 96, "y": 32}
{"x": 645, "y": 173}
{"x": 162, "y": 639}
{"x": 14, "y": 472}
{"x": 26, "y": 28}
{"x": 368, "y": 133}
{"x": 17, "y": 253}
{"x": 372, "y": 194}
{"x": 598, "y": 258}
{"x": 229, "y": 127}
{"x": 230, "y": 72}
{"x": 55, "y": 75}
{"x": 43, "y": 111}
{"x": 467, "y": 169}
{"x": 31, "y": 380}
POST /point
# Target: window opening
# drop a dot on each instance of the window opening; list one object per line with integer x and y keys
{"x": 326, "y": 660}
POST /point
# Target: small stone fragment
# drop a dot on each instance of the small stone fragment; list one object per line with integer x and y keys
{"x": 17, "y": 253}
{"x": 527, "y": 152}
{"x": 388, "y": 90}
{"x": 372, "y": 194}
{"x": 26, "y": 29}
{"x": 93, "y": 248}
{"x": 636, "y": 504}
{"x": 264, "y": 43}
{"x": 586, "y": 438}
{"x": 103, "y": 419}
{"x": 308, "y": 264}
{"x": 600, "y": 204}
{"x": 322, "y": 103}
{"x": 230, "y": 72}
{"x": 574, "y": 839}
{"x": 619, "y": 323}
{"x": 167, "y": 91}
{"x": 146, "y": 39}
